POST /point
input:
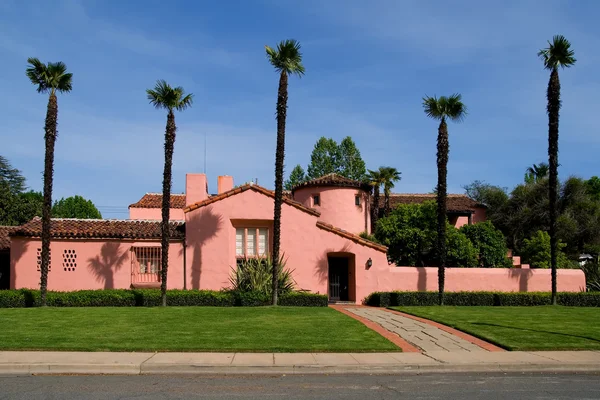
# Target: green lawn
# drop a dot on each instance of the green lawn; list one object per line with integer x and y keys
{"x": 522, "y": 328}
{"x": 260, "y": 329}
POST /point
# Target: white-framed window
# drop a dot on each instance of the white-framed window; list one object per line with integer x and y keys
{"x": 251, "y": 242}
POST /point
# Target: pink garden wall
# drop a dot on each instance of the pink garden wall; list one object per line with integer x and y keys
{"x": 97, "y": 264}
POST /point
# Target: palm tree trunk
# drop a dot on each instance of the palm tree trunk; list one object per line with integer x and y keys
{"x": 375, "y": 215}
{"x": 553, "y": 115}
{"x": 442, "y": 165}
{"x": 166, "y": 203}
{"x": 282, "y": 96}
{"x": 50, "y": 137}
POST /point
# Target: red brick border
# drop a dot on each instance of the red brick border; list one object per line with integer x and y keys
{"x": 392, "y": 337}
{"x": 465, "y": 336}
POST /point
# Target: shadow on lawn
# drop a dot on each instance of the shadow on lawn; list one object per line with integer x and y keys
{"x": 536, "y": 330}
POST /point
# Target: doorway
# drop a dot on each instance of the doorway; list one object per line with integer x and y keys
{"x": 338, "y": 279}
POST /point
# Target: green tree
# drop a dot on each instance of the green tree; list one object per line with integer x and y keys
{"x": 297, "y": 176}
{"x": 351, "y": 164}
{"x": 461, "y": 251}
{"x": 287, "y": 60}
{"x": 489, "y": 244}
{"x": 442, "y": 109}
{"x": 390, "y": 176}
{"x": 49, "y": 78}
{"x": 593, "y": 187}
{"x": 536, "y": 252}
{"x": 324, "y": 158}
{"x": 75, "y": 207}
{"x": 165, "y": 97}
{"x": 557, "y": 54}
{"x": 375, "y": 179}
{"x": 12, "y": 176}
{"x": 536, "y": 173}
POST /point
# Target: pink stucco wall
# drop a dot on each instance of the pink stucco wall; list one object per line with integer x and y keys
{"x": 175, "y": 214}
{"x": 479, "y": 215}
{"x": 101, "y": 264}
{"x": 461, "y": 220}
{"x": 338, "y": 207}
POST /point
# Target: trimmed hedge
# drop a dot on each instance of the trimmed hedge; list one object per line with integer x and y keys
{"x": 387, "y": 299}
{"x": 151, "y": 298}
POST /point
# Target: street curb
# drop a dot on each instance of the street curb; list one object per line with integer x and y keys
{"x": 381, "y": 369}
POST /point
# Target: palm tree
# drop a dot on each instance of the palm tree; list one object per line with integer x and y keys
{"x": 375, "y": 179}
{"x": 536, "y": 172}
{"x": 49, "y": 78}
{"x": 390, "y": 176}
{"x": 163, "y": 96}
{"x": 441, "y": 109}
{"x": 557, "y": 54}
{"x": 287, "y": 60}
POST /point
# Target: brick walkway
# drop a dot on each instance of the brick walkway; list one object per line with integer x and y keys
{"x": 426, "y": 337}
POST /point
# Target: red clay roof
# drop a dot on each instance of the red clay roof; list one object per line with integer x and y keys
{"x": 335, "y": 180}
{"x": 154, "y": 200}
{"x": 352, "y": 236}
{"x": 256, "y": 188}
{"x": 455, "y": 202}
{"x": 100, "y": 228}
{"x": 4, "y": 238}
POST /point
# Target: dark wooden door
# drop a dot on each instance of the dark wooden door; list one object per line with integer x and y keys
{"x": 338, "y": 279}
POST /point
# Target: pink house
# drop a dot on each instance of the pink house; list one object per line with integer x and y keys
{"x": 321, "y": 220}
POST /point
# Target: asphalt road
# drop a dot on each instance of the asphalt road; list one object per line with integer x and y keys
{"x": 347, "y": 387}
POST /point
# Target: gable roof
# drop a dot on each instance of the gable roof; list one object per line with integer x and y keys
{"x": 352, "y": 236}
{"x": 253, "y": 187}
{"x": 454, "y": 202}
{"x": 334, "y": 180}
{"x": 4, "y": 237}
{"x": 100, "y": 228}
{"x": 154, "y": 200}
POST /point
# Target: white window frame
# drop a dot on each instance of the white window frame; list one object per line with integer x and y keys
{"x": 256, "y": 242}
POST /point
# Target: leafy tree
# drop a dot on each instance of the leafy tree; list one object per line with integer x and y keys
{"x": 489, "y": 244}
{"x": 557, "y": 54}
{"x": 297, "y": 176}
{"x": 593, "y": 187}
{"x": 536, "y": 173}
{"x": 165, "y": 97}
{"x": 17, "y": 209}
{"x": 324, "y": 158}
{"x": 493, "y": 197}
{"x": 461, "y": 252}
{"x": 375, "y": 179}
{"x": 442, "y": 109}
{"x": 287, "y": 60}
{"x": 390, "y": 176}
{"x": 536, "y": 252}
{"x": 49, "y": 78}
{"x": 75, "y": 207}
{"x": 351, "y": 164}
{"x": 12, "y": 176}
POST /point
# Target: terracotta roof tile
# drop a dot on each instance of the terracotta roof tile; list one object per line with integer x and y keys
{"x": 455, "y": 202}
{"x": 154, "y": 200}
{"x": 335, "y": 180}
{"x": 4, "y": 237}
{"x": 255, "y": 188}
{"x": 100, "y": 228}
{"x": 352, "y": 236}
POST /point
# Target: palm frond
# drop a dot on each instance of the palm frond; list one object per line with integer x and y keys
{"x": 287, "y": 57}
{"x": 455, "y": 109}
{"x": 450, "y": 107}
{"x": 163, "y": 96}
{"x": 558, "y": 53}
{"x": 432, "y": 107}
{"x": 49, "y": 77}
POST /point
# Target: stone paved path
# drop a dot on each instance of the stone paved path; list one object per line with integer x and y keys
{"x": 426, "y": 337}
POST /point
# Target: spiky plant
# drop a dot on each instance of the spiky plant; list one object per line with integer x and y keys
{"x": 49, "y": 78}
{"x": 255, "y": 275}
{"x": 390, "y": 176}
{"x": 163, "y": 96}
{"x": 557, "y": 55}
{"x": 442, "y": 109}
{"x": 286, "y": 58}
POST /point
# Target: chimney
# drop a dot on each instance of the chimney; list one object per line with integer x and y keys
{"x": 224, "y": 183}
{"x": 196, "y": 188}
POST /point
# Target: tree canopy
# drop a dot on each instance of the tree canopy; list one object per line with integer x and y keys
{"x": 344, "y": 159}
{"x": 75, "y": 207}
{"x": 297, "y": 176}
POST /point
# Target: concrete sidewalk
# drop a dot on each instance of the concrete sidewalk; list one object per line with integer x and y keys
{"x": 25, "y": 363}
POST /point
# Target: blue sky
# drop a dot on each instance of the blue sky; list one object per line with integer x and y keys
{"x": 368, "y": 64}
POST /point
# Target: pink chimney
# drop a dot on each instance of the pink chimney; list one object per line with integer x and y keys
{"x": 224, "y": 183}
{"x": 196, "y": 188}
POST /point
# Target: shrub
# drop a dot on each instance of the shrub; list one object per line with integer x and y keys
{"x": 591, "y": 269}
{"x": 303, "y": 299}
{"x": 461, "y": 252}
{"x": 489, "y": 244}
{"x": 368, "y": 236}
{"x": 256, "y": 275}
{"x": 387, "y": 299}
{"x": 536, "y": 252}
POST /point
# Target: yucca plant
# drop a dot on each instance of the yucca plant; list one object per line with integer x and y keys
{"x": 255, "y": 275}
{"x": 591, "y": 270}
